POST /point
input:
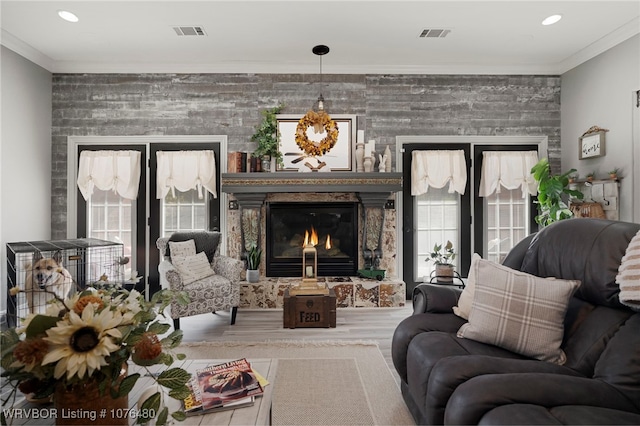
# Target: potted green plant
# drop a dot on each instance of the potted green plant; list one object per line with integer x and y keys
{"x": 613, "y": 173}
{"x": 266, "y": 136}
{"x": 253, "y": 263}
{"x": 573, "y": 177}
{"x": 551, "y": 189}
{"x": 591, "y": 176}
{"x": 443, "y": 257}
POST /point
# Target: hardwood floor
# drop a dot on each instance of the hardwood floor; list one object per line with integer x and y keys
{"x": 266, "y": 324}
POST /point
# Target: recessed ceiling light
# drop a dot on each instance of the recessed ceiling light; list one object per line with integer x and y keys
{"x": 67, "y": 16}
{"x": 552, "y": 19}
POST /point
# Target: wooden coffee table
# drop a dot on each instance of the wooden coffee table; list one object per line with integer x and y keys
{"x": 257, "y": 414}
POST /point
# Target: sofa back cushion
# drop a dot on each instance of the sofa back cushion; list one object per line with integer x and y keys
{"x": 588, "y": 250}
{"x": 619, "y": 364}
{"x": 588, "y": 330}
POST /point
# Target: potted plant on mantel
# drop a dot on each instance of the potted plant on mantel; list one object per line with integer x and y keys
{"x": 443, "y": 258}
{"x": 253, "y": 263}
{"x": 266, "y": 136}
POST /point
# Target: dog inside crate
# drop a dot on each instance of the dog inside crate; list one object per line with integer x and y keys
{"x": 42, "y": 275}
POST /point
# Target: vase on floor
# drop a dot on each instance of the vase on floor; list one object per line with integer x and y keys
{"x": 82, "y": 404}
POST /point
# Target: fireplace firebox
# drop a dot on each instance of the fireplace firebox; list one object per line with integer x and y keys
{"x": 331, "y": 227}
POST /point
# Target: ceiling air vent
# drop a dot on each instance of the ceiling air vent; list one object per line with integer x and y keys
{"x": 433, "y": 33}
{"x": 189, "y": 31}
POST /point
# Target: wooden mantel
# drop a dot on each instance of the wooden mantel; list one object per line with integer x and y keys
{"x": 262, "y": 182}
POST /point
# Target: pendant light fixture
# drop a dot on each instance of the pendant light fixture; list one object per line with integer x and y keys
{"x": 317, "y": 118}
{"x": 320, "y": 50}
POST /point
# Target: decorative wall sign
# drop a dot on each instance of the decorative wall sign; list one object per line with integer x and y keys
{"x": 592, "y": 144}
{"x": 339, "y": 157}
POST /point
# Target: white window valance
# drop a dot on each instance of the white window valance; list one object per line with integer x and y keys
{"x": 109, "y": 170}
{"x": 186, "y": 170}
{"x": 508, "y": 169}
{"x": 436, "y": 169}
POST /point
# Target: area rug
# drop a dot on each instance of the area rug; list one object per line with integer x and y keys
{"x": 320, "y": 392}
{"x": 363, "y": 360}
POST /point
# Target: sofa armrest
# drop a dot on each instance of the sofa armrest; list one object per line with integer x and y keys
{"x": 169, "y": 276}
{"x": 548, "y": 390}
{"x": 228, "y": 267}
{"x": 435, "y": 298}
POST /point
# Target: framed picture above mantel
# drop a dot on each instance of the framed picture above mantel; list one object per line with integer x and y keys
{"x": 592, "y": 143}
{"x": 341, "y": 157}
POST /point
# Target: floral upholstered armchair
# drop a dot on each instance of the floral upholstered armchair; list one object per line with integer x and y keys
{"x": 191, "y": 262}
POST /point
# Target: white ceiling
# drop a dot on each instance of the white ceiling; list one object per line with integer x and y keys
{"x": 497, "y": 37}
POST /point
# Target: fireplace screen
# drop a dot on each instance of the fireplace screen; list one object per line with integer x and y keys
{"x": 331, "y": 227}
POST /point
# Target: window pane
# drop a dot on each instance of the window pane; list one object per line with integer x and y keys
{"x": 111, "y": 217}
{"x": 507, "y": 216}
{"x": 184, "y": 215}
{"x": 438, "y": 216}
{"x": 183, "y": 212}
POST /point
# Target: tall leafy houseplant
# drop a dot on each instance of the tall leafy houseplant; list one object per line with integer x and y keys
{"x": 551, "y": 189}
{"x": 266, "y": 135}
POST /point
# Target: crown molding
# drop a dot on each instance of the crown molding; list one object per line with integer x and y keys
{"x": 279, "y": 68}
{"x": 25, "y": 50}
{"x": 612, "y": 39}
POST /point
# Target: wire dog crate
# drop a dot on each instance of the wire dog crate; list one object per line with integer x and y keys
{"x": 89, "y": 262}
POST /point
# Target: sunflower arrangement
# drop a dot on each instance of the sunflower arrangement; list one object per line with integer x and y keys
{"x": 88, "y": 338}
{"x": 320, "y": 121}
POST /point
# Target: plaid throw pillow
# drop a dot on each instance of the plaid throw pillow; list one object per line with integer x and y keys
{"x": 519, "y": 312}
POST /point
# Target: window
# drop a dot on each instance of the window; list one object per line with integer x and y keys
{"x": 508, "y": 216}
{"x": 183, "y": 212}
{"x": 109, "y": 217}
{"x": 438, "y": 216}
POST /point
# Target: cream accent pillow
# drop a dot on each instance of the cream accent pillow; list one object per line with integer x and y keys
{"x": 518, "y": 311}
{"x": 466, "y": 297}
{"x": 192, "y": 268}
{"x": 629, "y": 275}
{"x": 182, "y": 248}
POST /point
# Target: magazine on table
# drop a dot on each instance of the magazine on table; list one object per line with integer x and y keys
{"x": 224, "y": 386}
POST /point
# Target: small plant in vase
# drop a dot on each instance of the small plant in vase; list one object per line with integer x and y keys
{"x": 613, "y": 174}
{"x": 573, "y": 178}
{"x": 591, "y": 176}
{"x": 443, "y": 257}
{"x": 253, "y": 263}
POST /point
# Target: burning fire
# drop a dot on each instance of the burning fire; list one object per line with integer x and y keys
{"x": 311, "y": 239}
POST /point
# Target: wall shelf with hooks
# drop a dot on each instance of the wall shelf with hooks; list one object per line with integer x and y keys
{"x": 606, "y": 192}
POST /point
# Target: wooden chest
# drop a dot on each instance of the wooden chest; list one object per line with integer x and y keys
{"x": 309, "y": 310}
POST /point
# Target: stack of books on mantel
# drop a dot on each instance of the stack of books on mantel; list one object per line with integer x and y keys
{"x": 227, "y": 386}
{"x": 242, "y": 162}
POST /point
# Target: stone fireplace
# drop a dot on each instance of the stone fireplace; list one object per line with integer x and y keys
{"x": 357, "y": 207}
